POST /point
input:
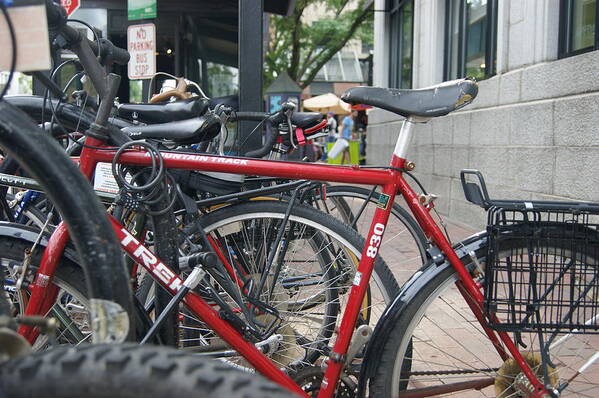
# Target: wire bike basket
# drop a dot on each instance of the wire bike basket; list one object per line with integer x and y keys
{"x": 542, "y": 268}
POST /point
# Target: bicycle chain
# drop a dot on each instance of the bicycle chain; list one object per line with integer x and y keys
{"x": 450, "y": 372}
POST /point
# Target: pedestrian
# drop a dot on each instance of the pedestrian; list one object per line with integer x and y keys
{"x": 347, "y": 126}
{"x": 331, "y": 136}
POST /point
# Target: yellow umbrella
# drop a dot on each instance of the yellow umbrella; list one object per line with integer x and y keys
{"x": 327, "y": 103}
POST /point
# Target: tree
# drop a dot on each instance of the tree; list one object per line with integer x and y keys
{"x": 302, "y": 49}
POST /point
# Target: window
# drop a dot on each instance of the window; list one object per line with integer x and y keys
{"x": 402, "y": 34}
{"x": 470, "y": 38}
{"x": 577, "y": 27}
{"x": 342, "y": 67}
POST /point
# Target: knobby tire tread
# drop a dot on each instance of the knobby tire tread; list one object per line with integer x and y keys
{"x": 128, "y": 371}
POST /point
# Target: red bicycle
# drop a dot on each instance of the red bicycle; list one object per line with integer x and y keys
{"x": 443, "y": 334}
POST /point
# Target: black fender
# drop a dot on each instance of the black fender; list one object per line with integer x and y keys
{"x": 30, "y": 234}
{"x": 375, "y": 347}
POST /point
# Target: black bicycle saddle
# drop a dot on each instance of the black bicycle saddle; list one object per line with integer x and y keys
{"x": 189, "y": 131}
{"x": 431, "y": 101}
{"x": 163, "y": 113}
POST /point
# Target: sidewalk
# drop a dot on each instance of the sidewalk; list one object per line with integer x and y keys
{"x": 400, "y": 253}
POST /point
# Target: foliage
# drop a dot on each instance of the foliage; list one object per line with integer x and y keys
{"x": 303, "y": 49}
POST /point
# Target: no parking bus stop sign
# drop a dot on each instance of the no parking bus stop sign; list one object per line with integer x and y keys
{"x": 141, "y": 44}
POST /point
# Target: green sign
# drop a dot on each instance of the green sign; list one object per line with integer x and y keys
{"x": 141, "y": 9}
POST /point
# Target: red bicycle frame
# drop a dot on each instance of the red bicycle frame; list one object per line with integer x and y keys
{"x": 43, "y": 292}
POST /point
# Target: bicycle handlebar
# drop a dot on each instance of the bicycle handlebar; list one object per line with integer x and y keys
{"x": 105, "y": 84}
{"x": 250, "y": 116}
{"x": 266, "y": 148}
{"x": 275, "y": 119}
{"x": 110, "y": 52}
{"x": 57, "y": 24}
{"x": 270, "y": 139}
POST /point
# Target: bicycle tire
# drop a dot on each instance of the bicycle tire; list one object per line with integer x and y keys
{"x": 165, "y": 247}
{"x": 90, "y": 231}
{"x": 454, "y": 343}
{"x": 127, "y": 371}
{"x": 31, "y": 214}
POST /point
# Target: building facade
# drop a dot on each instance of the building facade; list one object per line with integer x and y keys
{"x": 533, "y": 130}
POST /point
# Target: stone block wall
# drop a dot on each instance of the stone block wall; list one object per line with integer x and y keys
{"x": 533, "y": 132}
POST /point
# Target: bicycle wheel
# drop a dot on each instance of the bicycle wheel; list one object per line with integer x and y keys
{"x": 89, "y": 229}
{"x": 450, "y": 347}
{"x": 317, "y": 269}
{"x": 404, "y": 245}
{"x": 127, "y": 371}
{"x": 71, "y": 308}
{"x": 30, "y": 215}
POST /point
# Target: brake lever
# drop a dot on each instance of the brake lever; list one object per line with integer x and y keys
{"x": 224, "y": 114}
{"x": 291, "y": 132}
{"x": 288, "y": 108}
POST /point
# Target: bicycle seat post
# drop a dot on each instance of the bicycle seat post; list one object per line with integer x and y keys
{"x": 405, "y": 135}
{"x": 98, "y": 128}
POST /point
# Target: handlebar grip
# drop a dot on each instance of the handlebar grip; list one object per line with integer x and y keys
{"x": 110, "y": 53}
{"x": 57, "y": 19}
{"x": 121, "y": 56}
{"x": 275, "y": 119}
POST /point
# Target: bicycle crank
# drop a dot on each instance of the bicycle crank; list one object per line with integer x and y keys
{"x": 309, "y": 379}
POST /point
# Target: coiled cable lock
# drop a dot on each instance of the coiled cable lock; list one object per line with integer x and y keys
{"x": 142, "y": 188}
